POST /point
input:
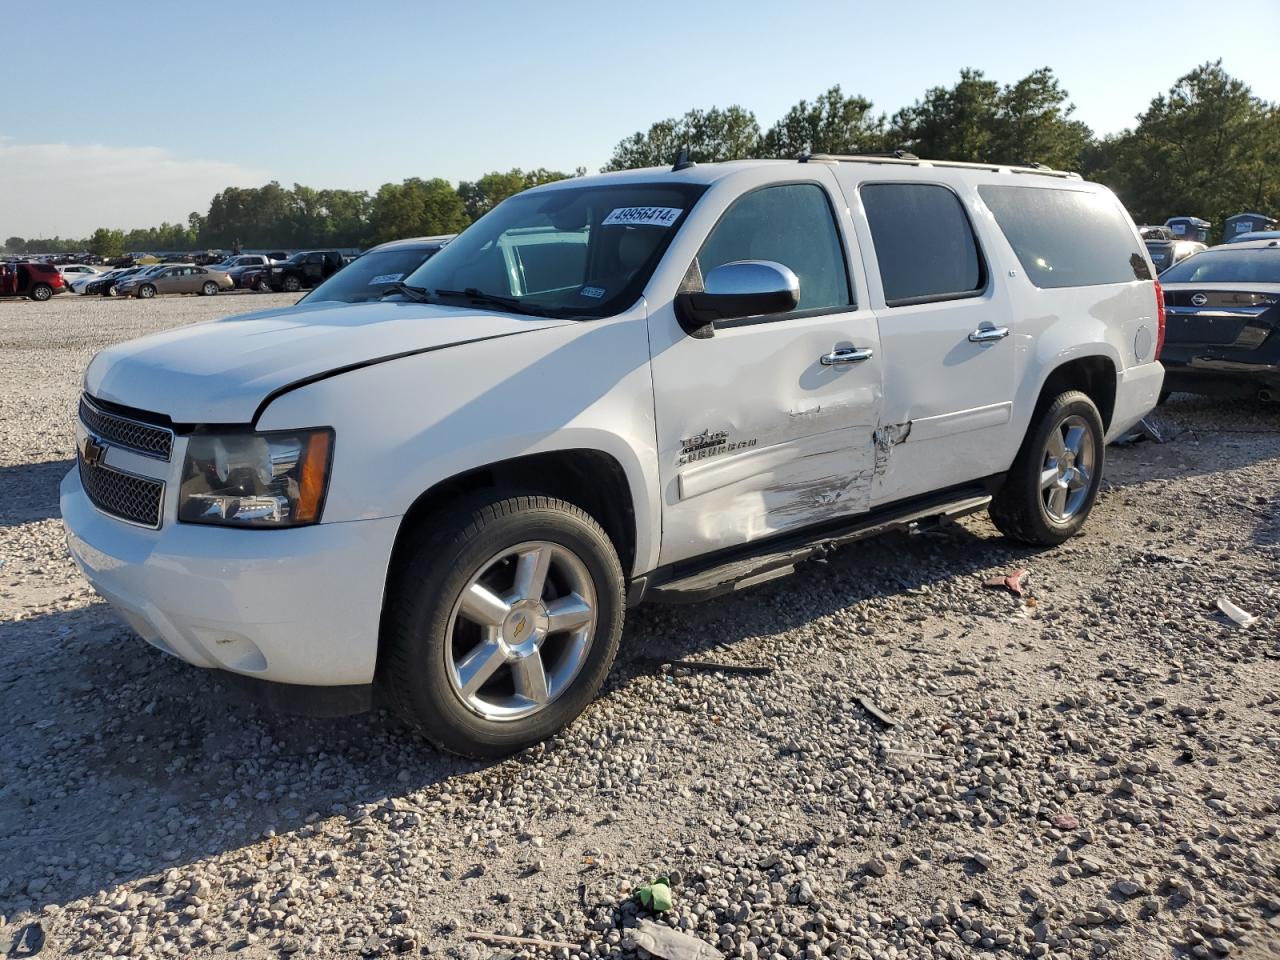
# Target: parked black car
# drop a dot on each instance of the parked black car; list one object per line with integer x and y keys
{"x": 1222, "y": 333}
{"x": 377, "y": 270}
{"x": 301, "y": 271}
{"x": 1165, "y": 248}
{"x": 106, "y": 283}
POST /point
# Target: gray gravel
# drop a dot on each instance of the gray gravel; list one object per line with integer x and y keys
{"x": 1092, "y": 771}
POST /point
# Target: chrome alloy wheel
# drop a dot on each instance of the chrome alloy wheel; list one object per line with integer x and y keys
{"x": 520, "y": 631}
{"x": 1070, "y": 457}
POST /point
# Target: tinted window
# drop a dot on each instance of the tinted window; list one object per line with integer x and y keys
{"x": 1067, "y": 238}
{"x": 1227, "y": 266}
{"x": 791, "y": 225}
{"x": 924, "y": 243}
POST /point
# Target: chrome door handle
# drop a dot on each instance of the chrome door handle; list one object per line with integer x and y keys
{"x": 845, "y": 355}
{"x": 988, "y": 334}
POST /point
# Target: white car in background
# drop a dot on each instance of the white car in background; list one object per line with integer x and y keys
{"x": 72, "y": 272}
{"x": 79, "y": 276}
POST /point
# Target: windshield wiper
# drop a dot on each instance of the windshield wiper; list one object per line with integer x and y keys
{"x": 418, "y": 294}
{"x": 479, "y": 296}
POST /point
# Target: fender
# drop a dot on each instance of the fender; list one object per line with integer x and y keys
{"x": 404, "y": 425}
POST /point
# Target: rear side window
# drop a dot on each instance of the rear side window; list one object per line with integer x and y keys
{"x": 1067, "y": 238}
{"x": 791, "y": 224}
{"x": 924, "y": 243}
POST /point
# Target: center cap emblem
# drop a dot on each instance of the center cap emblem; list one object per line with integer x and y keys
{"x": 521, "y": 625}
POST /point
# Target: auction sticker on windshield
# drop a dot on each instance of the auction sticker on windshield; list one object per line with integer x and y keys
{"x": 643, "y": 216}
{"x": 385, "y": 278}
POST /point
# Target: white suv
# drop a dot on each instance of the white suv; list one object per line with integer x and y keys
{"x": 659, "y": 382}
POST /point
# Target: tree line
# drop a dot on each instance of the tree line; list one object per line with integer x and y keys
{"x": 1207, "y": 147}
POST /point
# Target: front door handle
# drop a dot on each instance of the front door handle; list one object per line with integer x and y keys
{"x": 988, "y": 334}
{"x": 845, "y": 355}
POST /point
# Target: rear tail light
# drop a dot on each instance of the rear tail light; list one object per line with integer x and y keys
{"x": 1159, "y": 320}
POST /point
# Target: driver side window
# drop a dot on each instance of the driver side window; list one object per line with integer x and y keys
{"x": 791, "y": 224}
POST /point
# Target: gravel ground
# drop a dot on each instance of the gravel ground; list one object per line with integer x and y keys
{"x": 1093, "y": 770}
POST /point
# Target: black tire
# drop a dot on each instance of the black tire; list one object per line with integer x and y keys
{"x": 1018, "y": 509}
{"x": 262, "y": 286}
{"x": 41, "y": 292}
{"x": 209, "y": 288}
{"x": 146, "y": 292}
{"x": 290, "y": 284}
{"x": 451, "y": 547}
{"x": 1163, "y": 398}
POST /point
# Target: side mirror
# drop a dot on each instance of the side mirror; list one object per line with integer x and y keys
{"x": 743, "y": 288}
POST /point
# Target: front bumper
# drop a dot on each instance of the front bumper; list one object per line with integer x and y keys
{"x": 295, "y": 606}
{"x": 1137, "y": 390}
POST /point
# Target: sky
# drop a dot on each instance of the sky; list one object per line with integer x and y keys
{"x": 140, "y": 111}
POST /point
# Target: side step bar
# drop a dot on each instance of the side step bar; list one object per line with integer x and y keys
{"x": 775, "y": 559}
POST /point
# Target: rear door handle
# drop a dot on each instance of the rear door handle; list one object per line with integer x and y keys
{"x": 845, "y": 355}
{"x": 988, "y": 334}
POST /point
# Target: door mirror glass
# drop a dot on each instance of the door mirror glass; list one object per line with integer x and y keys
{"x": 742, "y": 288}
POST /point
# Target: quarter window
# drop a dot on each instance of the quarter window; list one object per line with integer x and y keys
{"x": 791, "y": 224}
{"x": 1067, "y": 238}
{"x": 924, "y": 243}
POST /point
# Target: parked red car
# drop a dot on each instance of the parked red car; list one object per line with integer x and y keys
{"x": 39, "y": 281}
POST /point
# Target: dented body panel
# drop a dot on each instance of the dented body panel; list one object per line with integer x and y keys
{"x": 755, "y": 435}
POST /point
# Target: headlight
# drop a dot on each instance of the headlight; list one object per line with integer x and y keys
{"x": 255, "y": 479}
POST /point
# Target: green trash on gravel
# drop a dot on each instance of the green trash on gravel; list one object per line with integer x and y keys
{"x": 655, "y": 896}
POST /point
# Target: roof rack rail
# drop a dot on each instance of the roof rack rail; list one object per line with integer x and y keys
{"x": 902, "y": 158}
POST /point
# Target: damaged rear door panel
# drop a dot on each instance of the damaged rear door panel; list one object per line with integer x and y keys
{"x": 946, "y": 328}
{"x": 757, "y": 432}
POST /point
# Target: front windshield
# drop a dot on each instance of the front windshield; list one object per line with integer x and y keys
{"x": 1227, "y": 266}
{"x": 580, "y": 252}
{"x": 370, "y": 276}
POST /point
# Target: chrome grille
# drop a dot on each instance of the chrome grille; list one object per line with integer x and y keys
{"x": 143, "y": 438}
{"x": 123, "y": 495}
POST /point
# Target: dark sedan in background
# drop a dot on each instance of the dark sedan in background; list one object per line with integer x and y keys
{"x": 1165, "y": 248}
{"x": 377, "y": 270}
{"x": 1222, "y": 334}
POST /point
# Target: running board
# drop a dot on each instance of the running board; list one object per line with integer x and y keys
{"x": 775, "y": 559}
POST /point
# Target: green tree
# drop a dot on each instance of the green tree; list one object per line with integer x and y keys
{"x": 416, "y": 208}
{"x": 978, "y": 120}
{"x": 833, "y": 123}
{"x": 950, "y": 123}
{"x": 1208, "y": 147}
{"x": 481, "y": 196}
{"x": 711, "y": 135}
{"x": 15, "y": 245}
{"x": 106, "y": 242}
{"x": 1034, "y": 124}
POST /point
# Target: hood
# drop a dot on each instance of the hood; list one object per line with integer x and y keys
{"x": 220, "y": 371}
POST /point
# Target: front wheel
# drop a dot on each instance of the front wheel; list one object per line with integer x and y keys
{"x": 262, "y": 286}
{"x": 146, "y": 291}
{"x": 291, "y": 284}
{"x": 209, "y": 288}
{"x": 1052, "y": 485}
{"x": 502, "y": 623}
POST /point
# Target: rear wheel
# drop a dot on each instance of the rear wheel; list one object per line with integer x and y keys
{"x": 291, "y": 284}
{"x": 209, "y": 288}
{"x": 41, "y": 292}
{"x": 146, "y": 291}
{"x": 1052, "y": 485}
{"x": 501, "y": 624}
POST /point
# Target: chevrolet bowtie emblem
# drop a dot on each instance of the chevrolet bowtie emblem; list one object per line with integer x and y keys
{"x": 93, "y": 451}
